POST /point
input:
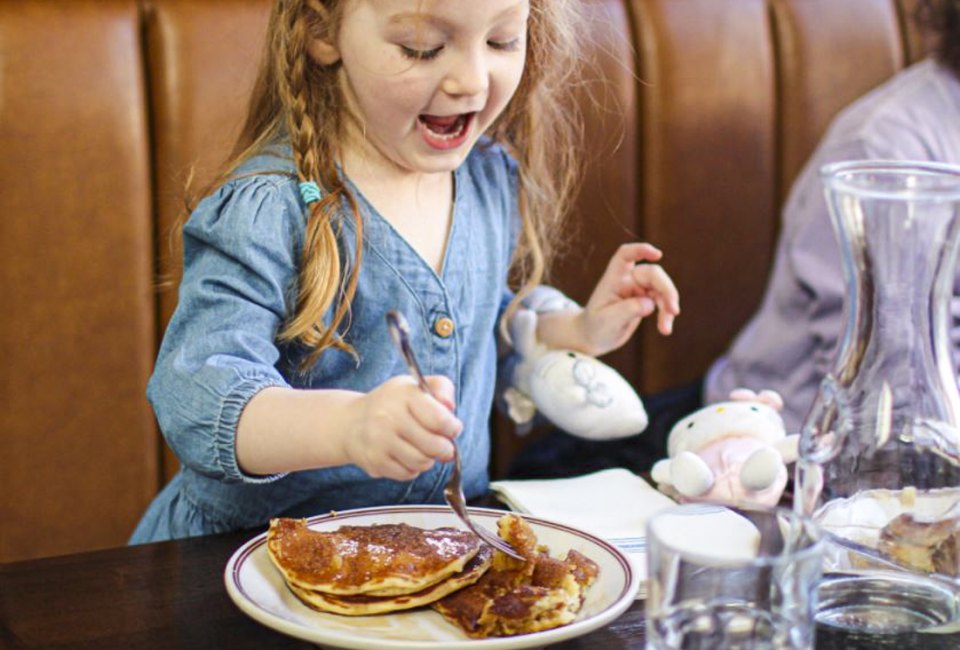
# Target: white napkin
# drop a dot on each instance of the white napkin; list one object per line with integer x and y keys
{"x": 613, "y": 504}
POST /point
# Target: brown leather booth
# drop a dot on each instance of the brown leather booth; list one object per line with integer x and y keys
{"x": 698, "y": 115}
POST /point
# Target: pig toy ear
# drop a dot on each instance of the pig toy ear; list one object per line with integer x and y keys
{"x": 743, "y": 395}
{"x": 769, "y": 397}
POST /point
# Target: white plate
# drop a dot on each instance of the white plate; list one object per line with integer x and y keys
{"x": 258, "y": 589}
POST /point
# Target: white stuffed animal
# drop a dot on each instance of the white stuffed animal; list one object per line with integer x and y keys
{"x": 577, "y": 393}
{"x": 732, "y": 452}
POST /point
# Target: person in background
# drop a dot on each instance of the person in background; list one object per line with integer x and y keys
{"x": 406, "y": 155}
{"x": 788, "y": 346}
{"x": 789, "y": 343}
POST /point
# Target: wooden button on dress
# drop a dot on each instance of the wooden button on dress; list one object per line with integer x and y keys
{"x": 443, "y": 327}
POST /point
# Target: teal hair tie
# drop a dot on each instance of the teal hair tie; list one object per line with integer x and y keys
{"x": 309, "y": 192}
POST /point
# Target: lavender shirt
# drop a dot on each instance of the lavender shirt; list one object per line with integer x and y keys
{"x": 788, "y": 346}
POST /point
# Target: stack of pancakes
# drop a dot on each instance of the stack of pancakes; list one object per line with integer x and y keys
{"x": 360, "y": 570}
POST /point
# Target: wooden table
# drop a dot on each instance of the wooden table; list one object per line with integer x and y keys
{"x": 171, "y": 595}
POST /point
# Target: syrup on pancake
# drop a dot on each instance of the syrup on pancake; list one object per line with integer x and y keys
{"x": 376, "y": 560}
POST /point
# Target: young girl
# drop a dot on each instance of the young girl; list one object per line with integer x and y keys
{"x": 398, "y": 154}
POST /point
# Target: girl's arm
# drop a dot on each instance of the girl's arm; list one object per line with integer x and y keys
{"x": 396, "y": 431}
{"x": 630, "y": 289}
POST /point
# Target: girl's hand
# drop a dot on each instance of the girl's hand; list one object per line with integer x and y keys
{"x": 630, "y": 289}
{"x": 400, "y": 431}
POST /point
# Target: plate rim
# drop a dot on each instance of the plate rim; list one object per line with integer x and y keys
{"x": 621, "y": 602}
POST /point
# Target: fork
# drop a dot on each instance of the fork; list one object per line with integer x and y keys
{"x": 453, "y": 490}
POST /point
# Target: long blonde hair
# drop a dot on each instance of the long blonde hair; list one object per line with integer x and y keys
{"x": 298, "y": 99}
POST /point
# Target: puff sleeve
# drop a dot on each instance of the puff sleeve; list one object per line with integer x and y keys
{"x": 241, "y": 247}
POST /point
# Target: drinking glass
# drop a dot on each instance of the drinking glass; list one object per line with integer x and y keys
{"x": 731, "y": 578}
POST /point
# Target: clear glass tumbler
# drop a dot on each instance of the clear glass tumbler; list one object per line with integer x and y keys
{"x": 879, "y": 466}
{"x": 724, "y": 578}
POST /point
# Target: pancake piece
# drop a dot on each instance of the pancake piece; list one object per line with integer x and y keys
{"x": 520, "y": 597}
{"x": 377, "y": 560}
{"x": 933, "y": 547}
{"x": 364, "y": 604}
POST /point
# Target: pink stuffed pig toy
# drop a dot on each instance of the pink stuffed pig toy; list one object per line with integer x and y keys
{"x": 732, "y": 452}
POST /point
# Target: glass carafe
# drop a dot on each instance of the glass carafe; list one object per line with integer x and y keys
{"x": 879, "y": 465}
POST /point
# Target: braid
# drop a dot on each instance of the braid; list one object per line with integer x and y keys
{"x": 307, "y": 91}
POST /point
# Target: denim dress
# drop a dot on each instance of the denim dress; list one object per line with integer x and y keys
{"x": 242, "y": 247}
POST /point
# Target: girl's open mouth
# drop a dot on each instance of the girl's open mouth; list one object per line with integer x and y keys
{"x": 445, "y": 131}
